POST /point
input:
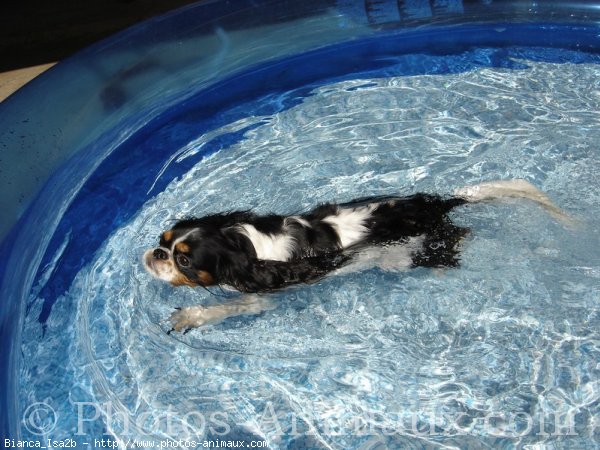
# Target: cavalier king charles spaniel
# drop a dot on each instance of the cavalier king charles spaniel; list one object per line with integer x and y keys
{"x": 256, "y": 254}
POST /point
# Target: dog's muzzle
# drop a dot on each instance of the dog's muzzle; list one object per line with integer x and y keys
{"x": 160, "y": 253}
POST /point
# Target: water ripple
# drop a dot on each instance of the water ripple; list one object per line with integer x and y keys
{"x": 501, "y": 352}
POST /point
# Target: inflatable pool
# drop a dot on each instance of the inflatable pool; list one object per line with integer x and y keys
{"x": 276, "y": 106}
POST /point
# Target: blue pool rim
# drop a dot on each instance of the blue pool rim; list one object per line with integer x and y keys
{"x": 439, "y": 32}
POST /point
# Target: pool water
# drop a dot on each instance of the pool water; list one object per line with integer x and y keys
{"x": 501, "y": 352}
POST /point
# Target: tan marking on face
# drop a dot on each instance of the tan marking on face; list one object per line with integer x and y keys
{"x": 182, "y": 247}
{"x": 206, "y": 278}
{"x": 180, "y": 279}
{"x": 168, "y": 235}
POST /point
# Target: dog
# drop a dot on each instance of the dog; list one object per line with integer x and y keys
{"x": 256, "y": 254}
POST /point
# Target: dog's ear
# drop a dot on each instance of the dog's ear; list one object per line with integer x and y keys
{"x": 233, "y": 258}
{"x": 236, "y": 241}
{"x": 233, "y": 268}
{"x": 264, "y": 276}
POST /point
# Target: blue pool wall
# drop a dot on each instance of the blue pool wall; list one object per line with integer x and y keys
{"x": 72, "y": 118}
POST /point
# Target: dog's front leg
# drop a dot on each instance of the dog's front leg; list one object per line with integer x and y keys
{"x": 185, "y": 319}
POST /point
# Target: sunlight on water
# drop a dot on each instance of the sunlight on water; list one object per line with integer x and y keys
{"x": 501, "y": 351}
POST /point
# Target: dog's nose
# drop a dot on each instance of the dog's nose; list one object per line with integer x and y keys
{"x": 159, "y": 253}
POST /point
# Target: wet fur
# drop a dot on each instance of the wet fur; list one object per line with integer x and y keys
{"x": 284, "y": 250}
{"x": 262, "y": 253}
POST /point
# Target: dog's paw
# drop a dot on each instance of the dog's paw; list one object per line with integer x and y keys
{"x": 186, "y": 319}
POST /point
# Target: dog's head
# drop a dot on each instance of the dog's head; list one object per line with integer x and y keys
{"x": 198, "y": 252}
{"x": 183, "y": 257}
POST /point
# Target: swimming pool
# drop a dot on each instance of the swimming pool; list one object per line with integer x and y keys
{"x": 500, "y": 352}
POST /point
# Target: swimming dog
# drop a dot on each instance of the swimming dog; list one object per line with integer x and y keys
{"x": 256, "y": 254}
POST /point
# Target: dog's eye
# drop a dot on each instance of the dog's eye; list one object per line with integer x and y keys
{"x": 183, "y": 261}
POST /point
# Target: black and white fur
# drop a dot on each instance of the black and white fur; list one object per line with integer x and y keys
{"x": 257, "y": 254}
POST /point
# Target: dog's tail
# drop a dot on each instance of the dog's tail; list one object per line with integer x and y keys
{"x": 499, "y": 190}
